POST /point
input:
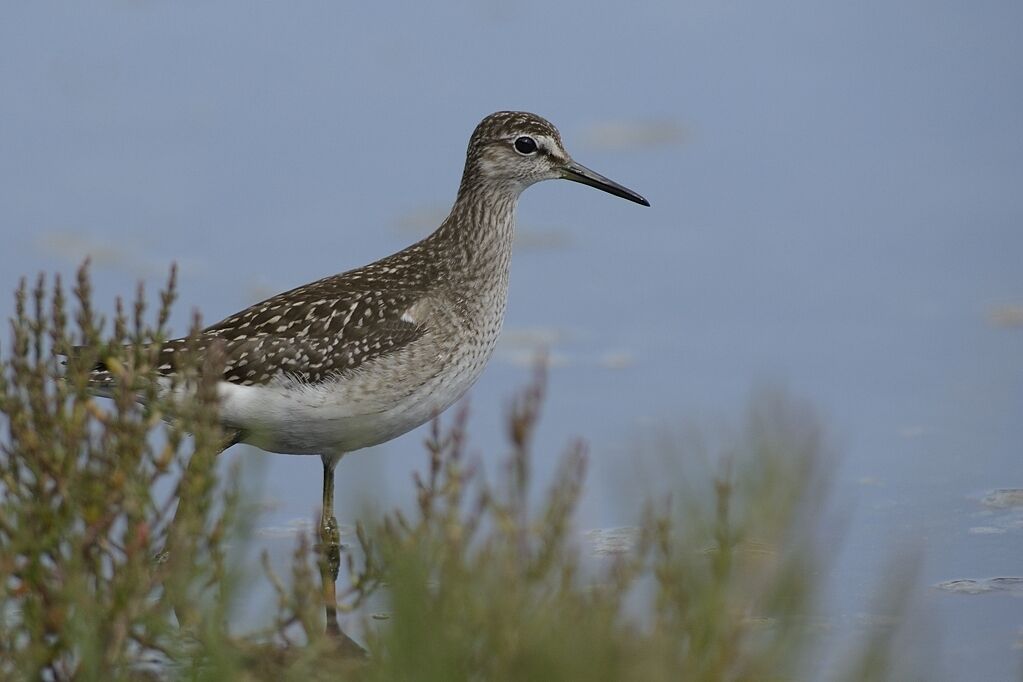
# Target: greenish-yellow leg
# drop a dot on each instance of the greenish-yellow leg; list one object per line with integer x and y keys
{"x": 330, "y": 561}
{"x": 330, "y": 545}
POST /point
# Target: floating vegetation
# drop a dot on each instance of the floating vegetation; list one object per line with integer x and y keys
{"x": 612, "y": 541}
{"x": 1012, "y": 585}
{"x": 1006, "y": 316}
{"x": 628, "y": 135}
{"x": 1003, "y": 498}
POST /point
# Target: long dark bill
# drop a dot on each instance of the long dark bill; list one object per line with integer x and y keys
{"x": 576, "y": 172}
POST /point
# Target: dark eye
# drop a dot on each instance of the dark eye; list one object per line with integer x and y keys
{"x": 525, "y": 145}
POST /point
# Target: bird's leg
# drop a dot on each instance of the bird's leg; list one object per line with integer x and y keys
{"x": 330, "y": 545}
{"x": 330, "y": 562}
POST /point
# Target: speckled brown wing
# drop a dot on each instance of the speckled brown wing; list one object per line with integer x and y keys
{"x": 307, "y": 335}
{"x": 313, "y": 333}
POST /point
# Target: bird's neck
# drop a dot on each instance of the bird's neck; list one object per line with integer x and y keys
{"x": 478, "y": 233}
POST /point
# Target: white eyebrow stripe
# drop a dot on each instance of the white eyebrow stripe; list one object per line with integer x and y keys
{"x": 549, "y": 145}
{"x": 546, "y": 141}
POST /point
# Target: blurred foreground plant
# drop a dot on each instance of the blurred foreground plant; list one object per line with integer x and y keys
{"x": 88, "y": 497}
{"x": 102, "y": 578}
{"x": 489, "y": 584}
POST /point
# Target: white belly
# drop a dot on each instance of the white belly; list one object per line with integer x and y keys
{"x": 361, "y": 409}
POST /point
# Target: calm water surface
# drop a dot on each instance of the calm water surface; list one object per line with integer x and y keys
{"x": 836, "y": 209}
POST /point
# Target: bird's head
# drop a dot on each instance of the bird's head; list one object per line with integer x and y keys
{"x": 512, "y": 150}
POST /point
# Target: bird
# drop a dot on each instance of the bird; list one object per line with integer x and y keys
{"x": 359, "y": 358}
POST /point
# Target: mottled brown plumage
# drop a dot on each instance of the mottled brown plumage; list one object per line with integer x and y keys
{"x": 327, "y": 329}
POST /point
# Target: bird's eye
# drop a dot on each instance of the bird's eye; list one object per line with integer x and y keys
{"x": 525, "y": 145}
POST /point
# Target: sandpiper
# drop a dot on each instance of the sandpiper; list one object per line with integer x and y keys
{"x": 359, "y": 358}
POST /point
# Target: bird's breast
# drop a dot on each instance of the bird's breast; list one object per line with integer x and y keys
{"x": 381, "y": 399}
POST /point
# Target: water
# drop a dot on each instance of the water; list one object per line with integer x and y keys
{"x": 836, "y": 209}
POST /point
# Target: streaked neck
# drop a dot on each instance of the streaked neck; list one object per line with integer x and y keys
{"x": 480, "y": 229}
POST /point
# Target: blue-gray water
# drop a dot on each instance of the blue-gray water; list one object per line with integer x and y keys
{"x": 837, "y": 208}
